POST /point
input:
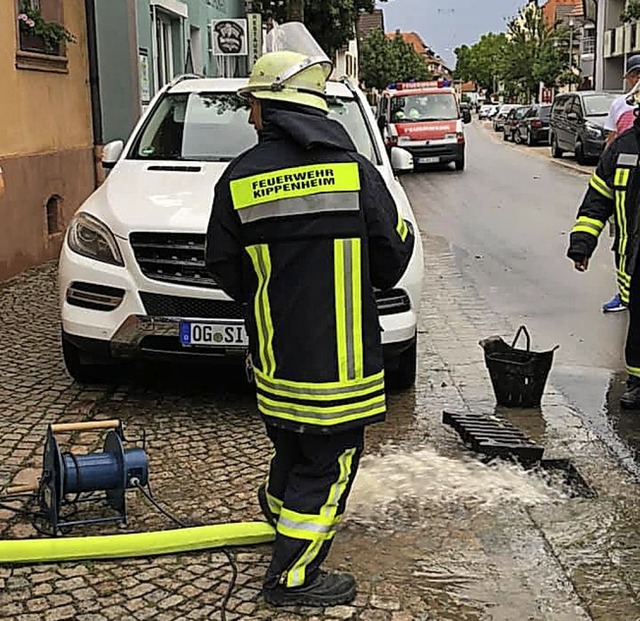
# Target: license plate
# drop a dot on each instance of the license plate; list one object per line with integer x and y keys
{"x": 213, "y": 334}
{"x": 428, "y": 160}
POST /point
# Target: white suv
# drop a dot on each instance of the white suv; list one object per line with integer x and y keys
{"x": 132, "y": 275}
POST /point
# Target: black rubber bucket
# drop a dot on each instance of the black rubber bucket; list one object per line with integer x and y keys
{"x": 518, "y": 376}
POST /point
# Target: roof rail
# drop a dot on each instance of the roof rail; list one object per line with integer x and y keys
{"x": 183, "y": 77}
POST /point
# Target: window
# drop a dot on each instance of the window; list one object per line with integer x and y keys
{"x": 598, "y": 105}
{"x": 426, "y": 107}
{"x": 213, "y": 127}
{"x": 54, "y": 215}
{"x": 41, "y": 37}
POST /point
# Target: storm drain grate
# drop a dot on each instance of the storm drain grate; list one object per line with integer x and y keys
{"x": 493, "y": 437}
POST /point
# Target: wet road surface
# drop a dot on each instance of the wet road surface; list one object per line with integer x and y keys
{"x": 507, "y": 221}
{"x": 432, "y": 532}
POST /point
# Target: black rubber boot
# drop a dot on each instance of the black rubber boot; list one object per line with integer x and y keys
{"x": 264, "y": 506}
{"x": 325, "y": 590}
{"x": 630, "y": 400}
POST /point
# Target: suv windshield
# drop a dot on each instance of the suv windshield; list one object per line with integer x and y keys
{"x": 435, "y": 107}
{"x": 214, "y": 127}
{"x": 598, "y": 105}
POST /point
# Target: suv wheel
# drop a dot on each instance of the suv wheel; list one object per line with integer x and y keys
{"x": 84, "y": 369}
{"x": 555, "y": 149}
{"x": 580, "y": 156}
{"x": 403, "y": 376}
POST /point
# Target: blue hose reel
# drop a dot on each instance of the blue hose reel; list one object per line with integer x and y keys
{"x": 67, "y": 478}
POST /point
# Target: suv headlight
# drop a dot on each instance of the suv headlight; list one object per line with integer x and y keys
{"x": 91, "y": 238}
{"x": 594, "y": 131}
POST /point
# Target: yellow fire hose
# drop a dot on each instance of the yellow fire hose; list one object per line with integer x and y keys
{"x": 138, "y": 544}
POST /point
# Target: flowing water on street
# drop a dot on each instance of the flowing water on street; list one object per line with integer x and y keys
{"x": 397, "y": 480}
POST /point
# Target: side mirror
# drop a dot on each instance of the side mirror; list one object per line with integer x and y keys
{"x": 111, "y": 153}
{"x": 466, "y": 116}
{"x": 401, "y": 160}
{"x": 573, "y": 117}
{"x": 382, "y": 122}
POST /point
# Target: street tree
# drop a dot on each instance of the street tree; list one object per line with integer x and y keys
{"x": 536, "y": 53}
{"x": 529, "y": 52}
{"x": 483, "y": 62}
{"x": 331, "y": 22}
{"x": 384, "y": 60}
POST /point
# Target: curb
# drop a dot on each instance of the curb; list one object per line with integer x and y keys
{"x": 583, "y": 170}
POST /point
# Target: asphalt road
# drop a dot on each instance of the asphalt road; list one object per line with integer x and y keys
{"x": 507, "y": 220}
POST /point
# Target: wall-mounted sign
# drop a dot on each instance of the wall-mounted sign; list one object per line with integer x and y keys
{"x": 144, "y": 76}
{"x": 229, "y": 37}
{"x": 254, "y": 35}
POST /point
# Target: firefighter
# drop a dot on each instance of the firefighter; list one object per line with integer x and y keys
{"x": 302, "y": 230}
{"x": 614, "y": 190}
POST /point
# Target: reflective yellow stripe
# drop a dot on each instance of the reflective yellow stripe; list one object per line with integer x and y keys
{"x": 356, "y": 290}
{"x": 329, "y": 391}
{"x": 323, "y": 413}
{"x": 275, "y": 504}
{"x": 600, "y": 186}
{"x": 401, "y": 227}
{"x": 261, "y": 260}
{"x": 348, "y": 299}
{"x": 621, "y": 177}
{"x": 325, "y": 417}
{"x": 592, "y": 226}
{"x": 341, "y": 316}
{"x": 326, "y": 521}
{"x": 296, "y": 576}
{"x": 633, "y": 371}
{"x": 581, "y": 228}
{"x": 330, "y": 508}
{"x": 295, "y": 183}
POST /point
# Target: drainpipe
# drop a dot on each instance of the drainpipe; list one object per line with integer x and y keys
{"x": 94, "y": 78}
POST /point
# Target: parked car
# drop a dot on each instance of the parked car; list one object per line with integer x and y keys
{"x": 132, "y": 279}
{"x": 576, "y": 124}
{"x": 510, "y": 124}
{"x": 533, "y": 128}
{"x": 498, "y": 119}
{"x": 486, "y": 111}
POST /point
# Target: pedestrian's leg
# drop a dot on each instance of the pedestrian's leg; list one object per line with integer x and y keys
{"x": 315, "y": 498}
{"x": 286, "y": 453}
{"x": 631, "y": 398}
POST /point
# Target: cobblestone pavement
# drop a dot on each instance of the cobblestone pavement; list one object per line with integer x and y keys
{"x": 447, "y": 556}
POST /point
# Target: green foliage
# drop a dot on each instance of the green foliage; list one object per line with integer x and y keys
{"x": 331, "y": 22}
{"x": 631, "y": 12}
{"x": 529, "y": 52}
{"x": 53, "y": 34}
{"x": 483, "y": 62}
{"x": 384, "y": 60}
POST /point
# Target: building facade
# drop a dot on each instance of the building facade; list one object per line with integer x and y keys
{"x": 435, "y": 64}
{"x": 616, "y": 41}
{"x": 46, "y": 151}
{"x": 140, "y": 45}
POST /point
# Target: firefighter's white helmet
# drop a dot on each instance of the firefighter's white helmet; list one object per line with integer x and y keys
{"x": 294, "y": 69}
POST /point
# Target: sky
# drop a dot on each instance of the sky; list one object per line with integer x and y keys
{"x": 446, "y": 24}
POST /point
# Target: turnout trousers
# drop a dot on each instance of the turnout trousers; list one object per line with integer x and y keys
{"x": 632, "y": 347}
{"x": 309, "y": 481}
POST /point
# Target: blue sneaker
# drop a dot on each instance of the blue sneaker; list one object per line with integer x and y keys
{"x": 614, "y": 305}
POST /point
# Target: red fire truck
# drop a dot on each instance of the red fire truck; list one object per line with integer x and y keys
{"x": 425, "y": 119}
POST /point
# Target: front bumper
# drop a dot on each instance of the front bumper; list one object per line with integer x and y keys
{"x": 158, "y": 338}
{"x": 137, "y": 329}
{"x": 445, "y": 153}
{"x": 593, "y": 147}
